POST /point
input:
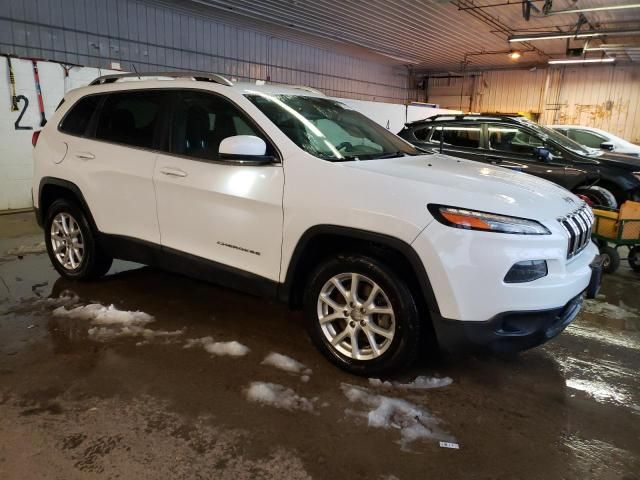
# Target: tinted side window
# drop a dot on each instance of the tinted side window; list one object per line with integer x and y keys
{"x": 77, "y": 119}
{"x": 507, "y": 138}
{"x": 130, "y": 117}
{"x": 585, "y": 138}
{"x": 202, "y": 120}
{"x": 458, "y": 135}
{"x": 422, "y": 133}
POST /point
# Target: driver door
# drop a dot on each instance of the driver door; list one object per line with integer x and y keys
{"x": 222, "y": 211}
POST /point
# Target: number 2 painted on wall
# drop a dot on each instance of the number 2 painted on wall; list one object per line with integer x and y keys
{"x": 24, "y": 109}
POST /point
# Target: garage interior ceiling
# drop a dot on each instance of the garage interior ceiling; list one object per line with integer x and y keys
{"x": 443, "y": 35}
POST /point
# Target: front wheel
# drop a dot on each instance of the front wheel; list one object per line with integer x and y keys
{"x": 362, "y": 316}
{"x": 71, "y": 243}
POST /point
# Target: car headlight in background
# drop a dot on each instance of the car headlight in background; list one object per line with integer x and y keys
{"x": 488, "y": 222}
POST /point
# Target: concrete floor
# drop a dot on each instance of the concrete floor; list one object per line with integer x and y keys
{"x": 73, "y": 405}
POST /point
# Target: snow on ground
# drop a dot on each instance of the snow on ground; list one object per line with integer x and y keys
{"x": 616, "y": 312}
{"x": 27, "y": 249}
{"x": 101, "y": 315}
{"x": 419, "y": 383}
{"x": 414, "y": 422}
{"x": 286, "y": 364}
{"x": 278, "y": 396}
{"x": 232, "y": 349}
{"x": 110, "y": 323}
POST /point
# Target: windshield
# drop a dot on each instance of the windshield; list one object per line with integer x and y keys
{"x": 557, "y": 137}
{"x": 330, "y": 130}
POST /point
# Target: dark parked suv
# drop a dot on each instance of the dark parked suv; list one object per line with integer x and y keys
{"x": 520, "y": 144}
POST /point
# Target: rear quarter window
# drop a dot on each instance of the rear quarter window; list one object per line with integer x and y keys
{"x": 76, "y": 121}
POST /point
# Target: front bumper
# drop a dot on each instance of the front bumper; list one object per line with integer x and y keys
{"x": 506, "y": 332}
{"x": 515, "y": 331}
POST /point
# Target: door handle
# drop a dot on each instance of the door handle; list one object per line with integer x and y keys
{"x": 173, "y": 172}
{"x": 85, "y": 155}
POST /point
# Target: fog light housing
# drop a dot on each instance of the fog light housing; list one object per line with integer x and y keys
{"x": 527, "y": 271}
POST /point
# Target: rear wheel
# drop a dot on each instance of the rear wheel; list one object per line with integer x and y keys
{"x": 71, "y": 243}
{"x": 597, "y": 196}
{"x": 634, "y": 258}
{"x": 611, "y": 260}
{"x": 362, "y": 316}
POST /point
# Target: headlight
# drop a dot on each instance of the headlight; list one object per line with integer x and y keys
{"x": 490, "y": 222}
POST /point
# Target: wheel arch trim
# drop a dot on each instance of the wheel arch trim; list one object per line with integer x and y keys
{"x": 67, "y": 185}
{"x": 403, "y": 248}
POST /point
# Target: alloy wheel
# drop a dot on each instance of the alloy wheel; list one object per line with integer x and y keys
{"x": 67, "y": 241}
{"x": 356, "y": 316}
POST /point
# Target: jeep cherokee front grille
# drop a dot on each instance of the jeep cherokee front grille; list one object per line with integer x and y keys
{"x": 578, "y": 226}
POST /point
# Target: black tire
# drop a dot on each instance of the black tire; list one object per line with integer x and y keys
{"x": 634, "y": 258}
{"x": 401, "y": 350}
{"x": 598, "y": 196}
{"x": 611, "y": 259}
{"x": 94, "y": 262}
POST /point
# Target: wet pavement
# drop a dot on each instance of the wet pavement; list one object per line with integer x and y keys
{"x": 104, "y": 394}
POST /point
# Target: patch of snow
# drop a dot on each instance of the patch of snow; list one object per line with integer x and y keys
{"x": 286, "y": 364}
{"x": 100, "y": 315}
{"x": 66, "y": 299}
{"x": 27, "y": 249}
{"x": 232, "y": 349}
{"x": 414, "y": 422}
{"x": 305, "y": 378}
{"x": 616, "y": 312}
{"x": 419, "y": 383}
{"x": 278, "y": 396}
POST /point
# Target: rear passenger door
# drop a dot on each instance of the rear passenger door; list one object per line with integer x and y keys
{"x": 458, "y": 139}
{"x": 112, "y": 160}
{"x": 218, "y": 210}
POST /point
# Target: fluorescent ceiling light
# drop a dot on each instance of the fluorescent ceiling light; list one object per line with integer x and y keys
{"x": 554, "y": 36}
{"x": 582, "y": 60}
{"x": 595, "y": 9}
{"x": 613, "y": 46}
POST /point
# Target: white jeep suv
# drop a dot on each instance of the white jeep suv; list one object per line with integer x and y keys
{"x": 283, "y": 192}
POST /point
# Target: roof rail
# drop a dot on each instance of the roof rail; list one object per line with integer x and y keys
{"x": 307, "y": 89}
{"x": 198, "y": 76}
{"x": 461, "y": 116}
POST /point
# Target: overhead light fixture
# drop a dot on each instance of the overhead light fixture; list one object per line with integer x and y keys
{"x": 582, "y": 60}
{"x": 613, "y": 46}
{"x": 515, "y": 54}
{"x": 559, "y": 35}
{"x": 595, "y": 9}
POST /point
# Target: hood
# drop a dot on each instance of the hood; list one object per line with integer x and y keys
{"x": 463, "y": 183}
{"x": 628, "y": 162}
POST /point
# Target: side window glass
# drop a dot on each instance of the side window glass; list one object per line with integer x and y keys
{"x": 467, "y": 136}
{"x": 422, "y": 133}
{"x": 77, "y": 119}
{"x": 130, "y": 117}
{"x": 201, "y": 121}
{"x": 585, "y": 138}
{"x": 507, "y": 138}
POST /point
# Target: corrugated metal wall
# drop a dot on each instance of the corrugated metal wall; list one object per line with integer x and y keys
{"x": 606, "y": 97}
{"x": 155, "y": 36}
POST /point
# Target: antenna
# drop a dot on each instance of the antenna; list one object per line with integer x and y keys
{"x": 136, "y": 70}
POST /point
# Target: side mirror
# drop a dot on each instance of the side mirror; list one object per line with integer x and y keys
{"x": 244, "y": 148}
{"x": 543, "y": 154}
{"x": 607, "y": 146}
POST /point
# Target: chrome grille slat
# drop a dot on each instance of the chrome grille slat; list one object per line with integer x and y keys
{"x": 578, "y": 225}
